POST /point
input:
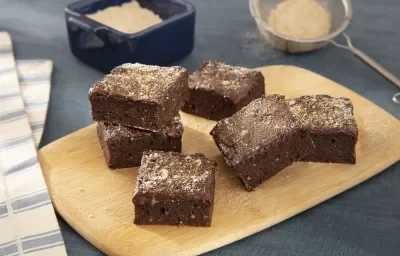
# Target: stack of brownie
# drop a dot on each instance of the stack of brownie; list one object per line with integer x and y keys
{"x": 271, "y": 133}
{"x": 137, "y": 109}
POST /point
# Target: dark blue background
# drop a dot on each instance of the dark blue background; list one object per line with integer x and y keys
{"x": 362, "y": 221}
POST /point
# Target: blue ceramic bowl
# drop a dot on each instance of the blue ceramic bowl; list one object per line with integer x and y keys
{"x": 103, "y": 47}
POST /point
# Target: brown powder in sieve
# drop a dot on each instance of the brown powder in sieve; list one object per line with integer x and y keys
{"x": 300, "y": 19}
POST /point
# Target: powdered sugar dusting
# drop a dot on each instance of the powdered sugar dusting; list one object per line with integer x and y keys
{"x": 163, "y": 174}
{"x": 259, "y": 123}
{"x": 134, "y": 65}
{"x": 230, "y": 81}
{"x": 175, "y": 173}
{"x": 323, "y": 111}
{"x": 142, "y": 82}
{"x": 174, "y": 128}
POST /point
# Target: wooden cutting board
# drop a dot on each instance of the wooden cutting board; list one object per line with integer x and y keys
{"x": 96, "y": 201}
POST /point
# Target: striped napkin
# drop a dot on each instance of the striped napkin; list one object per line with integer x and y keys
{"x": 28, "y": 224}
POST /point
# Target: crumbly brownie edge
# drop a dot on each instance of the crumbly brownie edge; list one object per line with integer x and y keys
{"x": 202, "y": 103}
{"x": 337, "y": 137}
{"x": 100, "y": 128}
{"x": 121, "y": 111}
{"x": 335, "y": 147}
{"x": 252, "y": 172}
{"x": 180, "y": 93}
{"x": 125, "y": 150}
{"x": 257, "y": 91}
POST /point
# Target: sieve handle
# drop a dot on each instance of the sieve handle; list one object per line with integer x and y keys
{"x": 383, "y": 71}
{"x": 388, "y": 75}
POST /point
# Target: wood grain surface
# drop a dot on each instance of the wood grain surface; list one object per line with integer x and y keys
{"x": 97, "y": 201}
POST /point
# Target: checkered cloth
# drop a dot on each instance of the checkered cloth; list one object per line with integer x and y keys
{"x": 28, "y": 224}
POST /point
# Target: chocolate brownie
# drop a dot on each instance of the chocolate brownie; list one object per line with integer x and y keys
{"x": 123, "y": 146}
{"x": 331, "y": 125}
{"x": 140, "y": 96}
{"x": 218, "y": 90}
{"x": 174, "y": 189}
{"x": 261, "y": 139}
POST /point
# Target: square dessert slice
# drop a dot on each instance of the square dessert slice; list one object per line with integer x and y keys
{"x": 123, "y": 146}
{"x": 175, "y": 189}
{"x": 140, "y": 96}
{"x": 261, "y": 139}
{"x": 331, "y": 125}
{"x": 218, "y": 90}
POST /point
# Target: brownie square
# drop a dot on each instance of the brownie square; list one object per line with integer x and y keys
{"x": 140, "y": 96}
{"x": 331, "y": 125}
{"x": 261, "y": 139}
{"x": 123, "y": 146}
{"x": 218, "y": 90}
{"x": 175, "y": 189}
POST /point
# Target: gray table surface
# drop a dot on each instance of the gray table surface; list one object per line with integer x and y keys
{"x": 362, "y": 221}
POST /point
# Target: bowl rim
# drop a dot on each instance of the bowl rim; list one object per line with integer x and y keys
{"x": 96, "y": 26}
{"x": 343, "y": 26}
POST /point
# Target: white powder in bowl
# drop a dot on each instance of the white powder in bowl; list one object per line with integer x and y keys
{"x": 128, "y": 18}
{"x": 300, "y": 19}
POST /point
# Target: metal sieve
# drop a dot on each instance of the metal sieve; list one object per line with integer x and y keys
{"x": 341, "y": 15}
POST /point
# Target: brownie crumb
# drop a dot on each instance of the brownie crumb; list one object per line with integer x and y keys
{"x": 218, "y": 90}
{"x": 174, "y": 189}
{"x": 261, "y": 139}
{"x": 139, "y": 96}
{"x": 123, "y": 146}
{"x": 331, "y": 125}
